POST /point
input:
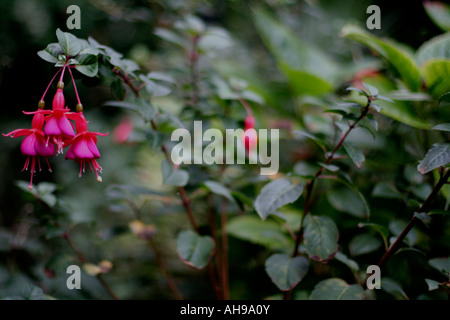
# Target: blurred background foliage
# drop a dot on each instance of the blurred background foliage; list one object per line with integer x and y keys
{"x": 32, "y": 252}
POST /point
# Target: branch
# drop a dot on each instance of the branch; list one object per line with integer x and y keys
{"x": 310, "y": 184}
{"x": 425, "y": 207}
{"x": 83, "y": 260}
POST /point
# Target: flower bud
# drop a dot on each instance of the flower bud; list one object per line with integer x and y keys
{"x": 58, "y": 100}
{"x": 41, "y": 104}
{"x": 249, "y": 122}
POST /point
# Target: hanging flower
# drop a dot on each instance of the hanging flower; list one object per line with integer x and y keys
{"x": 34, "y": 144}
{"x": 83, "y": 147}
{"x": 249, "y": 137}
{"x": 58, "y": 128}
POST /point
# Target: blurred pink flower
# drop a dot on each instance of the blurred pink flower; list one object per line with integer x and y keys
{"x": 123, "y": 130}
{"x": 34, "y": 144}
{"x": 83, "y": 147}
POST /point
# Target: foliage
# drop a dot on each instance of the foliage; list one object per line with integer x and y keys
{"x": 364, "y": 157}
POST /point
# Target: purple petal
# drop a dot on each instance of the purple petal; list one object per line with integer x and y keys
{"x": 81, "y": 149}
{"x": 69, "y": 154}
{"x": 42, "y": 150}
{"x": 51, "y": 127}
{"x": 93, "y": 148}
{"x": 65, "y": 126}
{"x": 28, "y": 145}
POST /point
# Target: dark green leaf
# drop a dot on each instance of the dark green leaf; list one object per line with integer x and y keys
{"x": 320, "y": 238}
{"x": 276, "y": 194}
{"x": 286, "y": 272}
{"x": 219, "y": 189}
{"x": 442, "y": 127}
{"x": 70, "y": 44}
{"x": 194, "y": 250}
{"x": 439, "y": 12}
{"x": 432, "y": 284}
{"x": 336, "y": 289}
{"x": 117, "y": 89}
{"x": 174, "y": 177}
{"x": 87, "y": 65}
{"x": 363, "y": 244}
{"x": 437, "y": 156}
{"x": 51, "y": 53}
{"x": 308, "y": 70}
{"x": 441, "y": 264}
{"x": 397, "y": 55}
{"x": 266, "y": 233}
{"x": 355, "y": 154}
{"x": 346, "y": 200}
{"x": 353, "y": 265}
{"x": 393, "y": 288}
{"x": 383, "y": 231}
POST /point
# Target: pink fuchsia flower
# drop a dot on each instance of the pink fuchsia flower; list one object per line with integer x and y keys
{"x": 123, "y": 130}
{"x": 249, "y": 137}
{"x": 34, "y": 144}
{"x": 58, "y": 127}
{"x": 83, "y": 147}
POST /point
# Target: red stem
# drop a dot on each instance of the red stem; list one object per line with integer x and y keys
{"x": 45, "y": 92}
{"x": 74, "y": 86}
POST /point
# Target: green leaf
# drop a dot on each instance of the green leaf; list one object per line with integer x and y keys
{"x": 355, "y": 154}
{"x": 336, "y": 289}
{"x": 194, "y": 250}
{"x": 51, "y": 53}
{"x": 346, "y": 200}
{"x": 70, "y": 44}
{"x": 155, "y": 89}
{"x": 439, "y": 12}
{"x": 436, "y": 75}
{"x": 441, "y": 264}
{"x": 402, "y": 111}
{"x": 174, "y": 177}
{"x": 397, "y": 226}
{"x": 363, "y": 244}
{"x": 286, "y": 272}
{"x": 437, "y": 156}
{"x": 424, "y": 217}
{"x": 442, "y": 127}
{"x": 432, "y": 284}
{"x": 393, "y": 288}
{"x": 87, "y": 65}
{"x": 437, "y": 47}
{"x": 397, "y": 55}
{"x": 386, "y": 190}
{"x": 140, "y": 106}
{"x": 320, "y": 238}
{"x": 302, "y": 133}
{"x": 383, "y": 231}
{"x": 117, "y": 89}
{"x": 308, "y": 69}
{"x": 170, "y": 36}
{"x": 219, "y": 189}
{"x": 276, "y": 194}
{"x": 266, "y": 233}
{"x": 191, "y": 24}
{"x": 329, "y": 167}
{"x": 346, "y": 180}
{"x": 353, "y": 265}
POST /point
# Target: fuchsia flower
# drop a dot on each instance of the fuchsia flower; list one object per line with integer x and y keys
{"x": 83, "y": 148}
{"x": 34, "y": 144}
{"x": 58, "y": 128}
{"x": 249, "y": 137}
